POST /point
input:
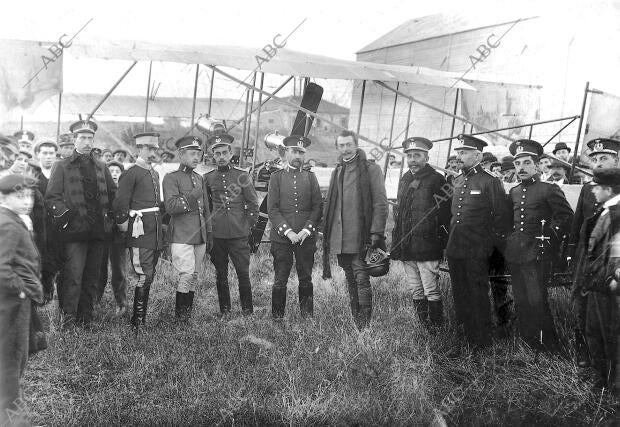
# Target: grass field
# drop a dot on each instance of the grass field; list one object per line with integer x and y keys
{"x": 250, "y": 371}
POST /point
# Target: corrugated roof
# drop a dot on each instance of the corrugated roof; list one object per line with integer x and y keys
{"x": 438, "y": 25}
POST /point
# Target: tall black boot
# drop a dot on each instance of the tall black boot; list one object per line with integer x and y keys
{"x": 190, "y": 303}
{"x": 421, "y": 307}
{"x": 140, "y": 301}
{"x": 223, "y": 291}
{"x": 180, "y": 309}
{"x": 278, "y": 302}
{"x": 306, "y": 301}
{"x": 364, "y": 316}
{"x": 435, "y": 313}
{"x": 581, "y": 349}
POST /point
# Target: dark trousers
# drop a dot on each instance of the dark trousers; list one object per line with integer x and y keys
{"x": 470, "y": 290}
{"x": 282, "y": 264}
{"x": 144, "y": 261}
{"x": 358, "y": 281}
{"x": 14, "y": 333}
{"x": 534, "y": 320}
{"x": 601, "y": 334}
{"x": 115, "y": 252}
{"x": 239, "y": 252}
{"x": 80, "y": 275}
{"x": 52, "y": 260}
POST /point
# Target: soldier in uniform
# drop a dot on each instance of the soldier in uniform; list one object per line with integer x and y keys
{"x": 190, "y": 224}
{"x": 603, "y": 155}
{"x": 294, "y": 207}
{"x": 234, "y": 210}
{"x": 540, "y": 212}
{"x": 25, "y": 140}
{"x": 79, "y": 196}
{"x": 479, "y": 223}
{"x": 137, "y": 210}
{"x": 602, "y": 274}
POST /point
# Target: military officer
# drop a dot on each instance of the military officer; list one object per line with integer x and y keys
{"x": 603, "y": 155}
{"x": 25, "y": 139}
{"x": 541, "y": 218}
{"x": 294, "y": 208}
{"x": 234, "y": 210}
{"x": 138, "y": 211}
{"x": 190, "y": 224}
{"x": 479, "y": 223}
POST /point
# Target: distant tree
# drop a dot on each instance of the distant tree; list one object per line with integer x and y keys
{"x": 133, "y": 129}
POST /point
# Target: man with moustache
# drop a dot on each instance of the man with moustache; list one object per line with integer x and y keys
{"x": 138, "y": 213}
{"x": 294, "y": 208}
{"x": 190, "y": 228}
{"x": 421, "y": 221}
{"x": 355, "y": 212}
{"x": 603, "y": 155}
{"x": 479, "y": 224}
{"x": 234, "y": 207}
{"x": 561, "y": 151}
{"x": 79, "y": 195}
{"x": 541, "y": 217}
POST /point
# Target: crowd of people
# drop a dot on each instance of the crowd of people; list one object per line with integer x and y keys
{"x": 68, "y": 210}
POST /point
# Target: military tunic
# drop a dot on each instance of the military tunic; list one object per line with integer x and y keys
{"x": 533, "y": 201}
{"x": 234, "y": 210}
{"x": 479, "y": 223}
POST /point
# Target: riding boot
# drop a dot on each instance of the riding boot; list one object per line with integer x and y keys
{"x": 421, "y": 307}
{"x": 306, "y": 303}
{"x": 140, "y": 301}
{"x": 190, "y": 303}
{"x": 435, "y": 313}
{"x": 278, "y": 302}
{"x": 364, "y": 316}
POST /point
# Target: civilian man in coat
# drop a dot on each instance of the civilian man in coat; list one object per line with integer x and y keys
{"x": 541, "y": 219}
{"x": 234, "y": 210}
{"x": 190, "y": 223}
{"x": 138, "y": 211}
{"x": 79, "y": 196}
{"x": 19, "y": 288}
{"x": 479, "y": 223}
{"x": 603, "y": 155}
{"x": 355, "y": 212}
{"x": 602, "y": 274}
{"x": 421, "y": 221}
{"x": 294, "y": 208}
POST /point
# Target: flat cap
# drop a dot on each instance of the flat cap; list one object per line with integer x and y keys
{"x": 15, "y": 182}
{"x": 117, "y": 164}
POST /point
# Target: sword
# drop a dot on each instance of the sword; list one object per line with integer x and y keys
{"x": 543, "y": 239}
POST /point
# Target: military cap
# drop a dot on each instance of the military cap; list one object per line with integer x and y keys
{"x": 297, "y": 141}
{"x": 116, "y": 163}
{"x": 220, "y": 140}
{"x": 525, "y": 147}
{"x": 150, "y": 139}
{"x": 468, "y": 142}
{"x": 603, "y": 145}
{"x": 189, "y": 142}
{"x": 417, "y": 143}
{"x": 14, "y": 182}
{"x": 607, "y": 176}
{"x": 561, "y": 146}
{"x": 46, "y": 142}
{"x": 83, "y": 126}
{"x": 65, "y": 139}
{"x": 24, "y": 136}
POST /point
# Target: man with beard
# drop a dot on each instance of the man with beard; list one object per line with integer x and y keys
{"x": 355, "y": 212}
{"x": 234, "y": 207}
{"x": 479, "y": 224}
{"x": 137, "y": 210}
{"x": 79, "y": 196}
{"x": 190, "y": 224}
{"x": 557, "y": 173}
{"x": 603, "y": 155}
{"x": 540, "y": 211}
{"x": 294, "y": 208}
{"x": 421, "y": 221}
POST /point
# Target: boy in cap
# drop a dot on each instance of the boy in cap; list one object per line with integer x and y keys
{"x": 479, "y": 224}
{"x": 190, "y": 224}
{"x": 421, "y": 221}
{"x": 79, "y": 196}
{"x": 355, "y": 212}
{"x": 603, "y": 155}
{"x": 234, "y": 211}
{"x": 294, "y": 207}
{"x": 541, "y": 216}
{"x": 602, "y": 277}
{"x": 138, "y": 213}
{"x": 19, "y": 287}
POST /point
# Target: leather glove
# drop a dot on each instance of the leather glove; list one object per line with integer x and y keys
{"x": 377, "y": 241}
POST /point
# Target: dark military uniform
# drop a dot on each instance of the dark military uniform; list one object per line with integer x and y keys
{"x": 293, "y": 203}
{"x": 189, "y": 231}
{"x": 530, "y": 265}
{"x": 138, "y": 204}
{"x": 234, "y": 207}
{"x": 479, "y": 223}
